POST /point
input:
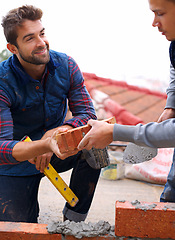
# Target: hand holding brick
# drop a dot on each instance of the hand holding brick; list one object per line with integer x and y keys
{"x": 68, "y": 141}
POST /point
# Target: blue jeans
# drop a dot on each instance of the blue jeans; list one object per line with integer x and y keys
{"x": 18, "y": 195}
{"x": 168, "y": 194}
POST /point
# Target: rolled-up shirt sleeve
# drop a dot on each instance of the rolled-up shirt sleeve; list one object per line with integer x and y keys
{"x": 6, "y": 131}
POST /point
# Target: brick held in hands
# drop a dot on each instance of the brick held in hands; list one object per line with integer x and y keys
{"x": 61, "y": 141}
{"x": 77, "y": 136}
{"x": 83, "y": 129}
{"x": 68, "y": 141}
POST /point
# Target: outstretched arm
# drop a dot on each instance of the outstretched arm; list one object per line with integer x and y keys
{"x": 34, "y": 151}
{"x": 100, "y": 135}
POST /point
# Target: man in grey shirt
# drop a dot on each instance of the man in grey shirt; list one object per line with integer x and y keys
{"x": 159, "y": 134}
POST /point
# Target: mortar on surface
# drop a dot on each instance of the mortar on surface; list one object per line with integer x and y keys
{"x": 81, "y": 229}
{"x": 143, "y": 206}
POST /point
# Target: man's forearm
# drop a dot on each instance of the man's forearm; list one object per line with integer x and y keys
{"x": 23, "y": 151}
{"x": 159, "y": 135}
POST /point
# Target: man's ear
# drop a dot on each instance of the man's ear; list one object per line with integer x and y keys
{"x": 12, "y": 48}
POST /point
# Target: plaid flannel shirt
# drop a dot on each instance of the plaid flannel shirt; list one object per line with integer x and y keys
{"x": 80, "y": 104}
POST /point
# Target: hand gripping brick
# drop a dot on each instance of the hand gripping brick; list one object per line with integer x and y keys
{"x": 68, "y": 141}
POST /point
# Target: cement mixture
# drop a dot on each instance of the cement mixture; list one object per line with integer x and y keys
{"x": 143, "y": 206}
{"x": 81, "y": 229}
{"x": 169, "y": 206}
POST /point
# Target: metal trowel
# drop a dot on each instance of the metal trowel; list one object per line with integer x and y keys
{"x": 134, "y": 154}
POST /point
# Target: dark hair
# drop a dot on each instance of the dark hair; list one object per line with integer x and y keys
{"x": 16, "y": 17}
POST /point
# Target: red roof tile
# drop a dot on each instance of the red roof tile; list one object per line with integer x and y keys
{"x": 129, "y": 104}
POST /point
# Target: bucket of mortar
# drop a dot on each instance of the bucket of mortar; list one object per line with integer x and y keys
{"x": 116, "y": 169}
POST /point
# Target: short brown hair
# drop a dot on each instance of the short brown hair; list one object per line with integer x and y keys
{"x": 16, "y": 17}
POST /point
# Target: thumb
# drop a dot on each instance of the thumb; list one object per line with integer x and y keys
{"x": 92, "y": 122}
{"x": 83, "y": 143}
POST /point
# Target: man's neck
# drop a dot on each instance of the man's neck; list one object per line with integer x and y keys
{"x": 35, "y": 71}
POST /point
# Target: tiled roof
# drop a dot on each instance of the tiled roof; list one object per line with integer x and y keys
{"x": 129, "y": 104}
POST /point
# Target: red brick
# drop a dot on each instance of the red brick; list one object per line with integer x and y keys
{"x": 132, "y": 221}
{"x": 77, "y": 136}
{"x": 84, "y": 129}
{"x": 69, "y": 140}
{"x": 61, "y": 142}
{"x": 26, "y": 231}
{"x": 34, "y": 231}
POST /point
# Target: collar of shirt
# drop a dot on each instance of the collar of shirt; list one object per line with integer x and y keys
{"x": 23, "y": 76}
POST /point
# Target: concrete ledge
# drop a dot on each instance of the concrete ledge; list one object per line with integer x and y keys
{"x": 145, "y": 220}
{"x": 34, "y": 231}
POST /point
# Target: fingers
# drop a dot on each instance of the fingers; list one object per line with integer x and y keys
{"x": 49, "y": 156}
{"x": 63, "y": 156}
{"x": 32, "y": 160}
{"x": 88, "y": 141}
{"x": 41, "y": 162}
{"x": 54, "y": 147}
{"x": 91, "y": 122}
{"x": 84, "y": 144}
{"x": 61, "y": 130}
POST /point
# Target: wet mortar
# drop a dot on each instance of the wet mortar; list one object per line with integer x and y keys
{"x": 82, "y": 229}
{"x": 51, "y": 204}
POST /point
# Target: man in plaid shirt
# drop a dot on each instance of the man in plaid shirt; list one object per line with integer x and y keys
{"x": 36, "y": 84}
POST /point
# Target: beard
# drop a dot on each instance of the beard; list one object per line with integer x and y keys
{"x": 34, "y": 58}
